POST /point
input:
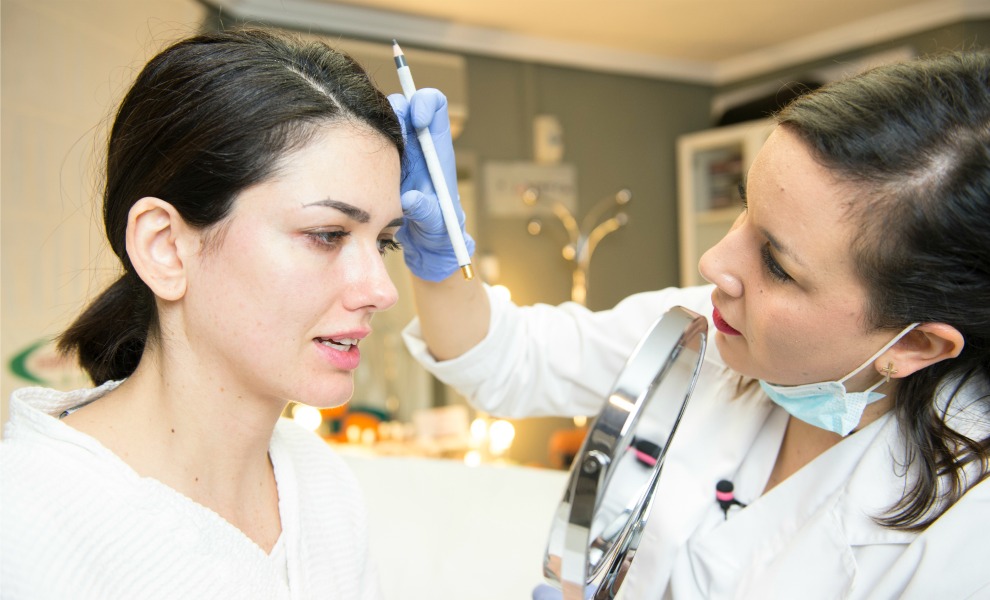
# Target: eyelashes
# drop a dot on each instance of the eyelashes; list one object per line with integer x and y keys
{"x": 386, "y": 246}
{"x": 332, "y": 240}
{"x": 771, "y": 265}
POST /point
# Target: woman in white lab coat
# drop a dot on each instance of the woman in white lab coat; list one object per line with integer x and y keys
{"x": 846, "y": 393}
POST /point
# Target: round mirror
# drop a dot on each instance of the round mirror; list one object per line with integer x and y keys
{"x": 613, "y": 478}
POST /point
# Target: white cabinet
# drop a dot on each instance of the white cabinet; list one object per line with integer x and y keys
{"x": 711, "y": 165}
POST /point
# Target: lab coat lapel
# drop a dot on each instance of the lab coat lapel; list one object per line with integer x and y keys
{"x": 800, "y": 535}
{"x": 873, "y": 487}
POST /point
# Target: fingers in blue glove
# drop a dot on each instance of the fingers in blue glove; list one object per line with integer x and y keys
{"x": 427, "y": 249}
{"x": 424, "y": 210}
{"x": 429, "y": 109}
{"x": 426, "y": 109}
{"x": 546, "y": 592}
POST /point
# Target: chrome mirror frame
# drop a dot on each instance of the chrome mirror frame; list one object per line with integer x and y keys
{"x": 594, "y": 536}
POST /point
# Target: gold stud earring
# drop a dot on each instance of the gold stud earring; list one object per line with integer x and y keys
{"x": 888, "y": 371}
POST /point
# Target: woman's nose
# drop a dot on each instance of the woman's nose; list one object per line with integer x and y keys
{"x": 720, "y": 265}
{"x": 372, "y": 286}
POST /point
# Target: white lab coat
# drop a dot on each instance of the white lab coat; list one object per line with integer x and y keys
{"x": 811, "y": 536}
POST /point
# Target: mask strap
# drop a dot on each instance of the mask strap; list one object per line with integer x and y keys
{"x": 879, "y": 352}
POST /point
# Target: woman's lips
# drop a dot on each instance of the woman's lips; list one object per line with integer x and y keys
{"x": 346, "y": 360}
{"x": 721, "y": 325}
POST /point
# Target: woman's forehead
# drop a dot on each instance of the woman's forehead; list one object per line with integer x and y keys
{"x": 798, "y": 203}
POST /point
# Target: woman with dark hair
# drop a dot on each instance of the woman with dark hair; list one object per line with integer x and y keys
{"x": 252, "y": 187}
{"x": 846, "y": 392}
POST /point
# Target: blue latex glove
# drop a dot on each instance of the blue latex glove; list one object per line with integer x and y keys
{"x": 425, "y": 244}
{"x": 546, "y": 592}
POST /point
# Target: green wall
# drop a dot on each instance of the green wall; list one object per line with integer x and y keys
{"x": 619, "y": 131}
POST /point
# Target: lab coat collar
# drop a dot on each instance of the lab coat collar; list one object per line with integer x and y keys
{"x": 820, "y": 514}
{"x": 821, "y": 511}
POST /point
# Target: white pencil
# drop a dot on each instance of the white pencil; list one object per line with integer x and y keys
{"x": 436, "y": 171}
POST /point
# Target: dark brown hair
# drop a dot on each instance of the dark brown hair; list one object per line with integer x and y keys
{"x": 914, "y": 138}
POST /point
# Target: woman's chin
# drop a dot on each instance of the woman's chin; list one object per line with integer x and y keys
{"x": 729, "y": 350}
{"x": 330, "y": 396}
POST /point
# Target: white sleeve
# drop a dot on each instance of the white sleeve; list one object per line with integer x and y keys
{"x": 551, "y": 360}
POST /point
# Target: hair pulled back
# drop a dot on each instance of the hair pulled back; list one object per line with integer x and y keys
{"x": 914, "y": 139}
{"x": 206, "y": 118}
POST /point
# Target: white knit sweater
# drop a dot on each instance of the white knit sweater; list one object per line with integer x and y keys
{"x": 77, "y": 522}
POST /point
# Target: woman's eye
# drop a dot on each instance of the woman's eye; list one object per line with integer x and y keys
{"x": 331, "y": 239}
{"x": 742, "y": 196}
{"x": 772, "y": 266}
{"x": 388, "y": 245}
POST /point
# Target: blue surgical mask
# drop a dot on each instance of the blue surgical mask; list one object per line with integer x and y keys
{"x": 827, "y": 404}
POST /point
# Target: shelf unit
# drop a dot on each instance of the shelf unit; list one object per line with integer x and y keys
{"x": 710, "y": 166}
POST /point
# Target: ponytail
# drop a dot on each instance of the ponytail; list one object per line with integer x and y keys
{"x": 110, "y": 335}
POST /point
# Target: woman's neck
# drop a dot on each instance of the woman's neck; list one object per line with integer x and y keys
{"x": 196, "y": 436}
{"x": 804, "y": 443}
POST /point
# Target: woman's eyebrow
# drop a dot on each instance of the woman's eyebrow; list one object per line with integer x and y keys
{"x": 353, "y": 212}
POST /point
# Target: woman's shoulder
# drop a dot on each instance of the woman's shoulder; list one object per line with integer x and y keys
{"x": 39, "y": 449}
{"x": 955, "y": 543}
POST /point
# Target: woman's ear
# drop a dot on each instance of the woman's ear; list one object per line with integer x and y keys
{"x": 158, "y": 240}
{"x": 926, "y": 345}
